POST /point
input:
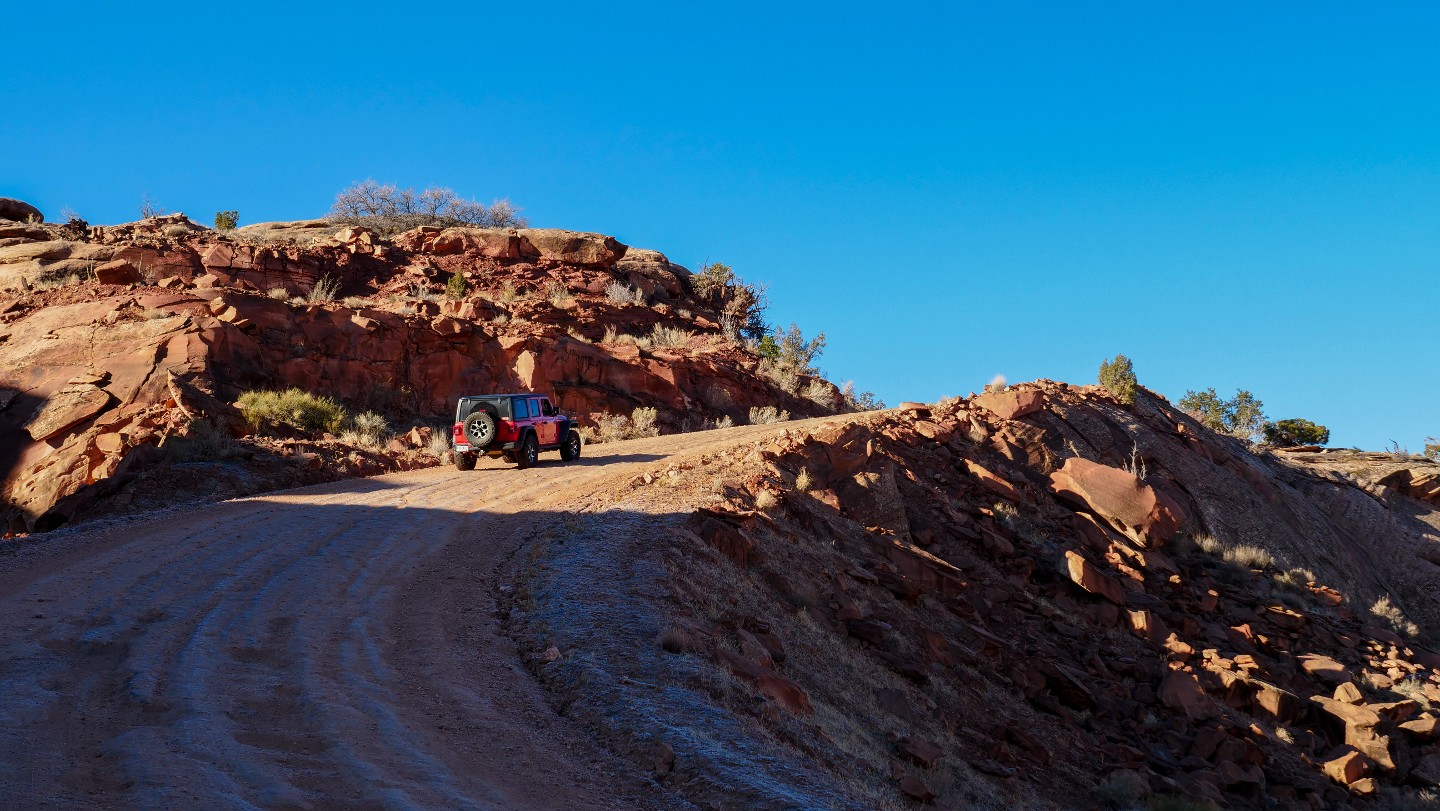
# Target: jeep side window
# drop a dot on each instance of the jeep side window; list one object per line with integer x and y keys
{"x": 546, "y": 408}
{"x": 535, "y": 409}
{"x": 520, "y": 410}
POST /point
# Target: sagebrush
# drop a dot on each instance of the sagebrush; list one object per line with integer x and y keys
{"x": 293, "y": 407}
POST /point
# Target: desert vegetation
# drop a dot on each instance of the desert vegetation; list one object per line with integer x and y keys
{"x": 387, "y": 209}
{"x": 615, "y": 427}
{"x": 292, "y": 407}
{"x": 1117, "y": 376}
{"x": 1241, "y": 416}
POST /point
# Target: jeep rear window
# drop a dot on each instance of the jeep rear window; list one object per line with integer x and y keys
{"x": 501, "y": 406}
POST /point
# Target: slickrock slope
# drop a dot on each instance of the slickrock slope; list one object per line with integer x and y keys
{"x": 114, "y": 339}
{"x": 1037, "y": 598}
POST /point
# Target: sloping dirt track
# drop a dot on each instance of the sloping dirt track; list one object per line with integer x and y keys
{"x": 331, "y": 647}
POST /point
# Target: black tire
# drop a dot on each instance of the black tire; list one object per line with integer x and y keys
{"x": 570, "y": 448}
{"x": 528, "y": 454}
{"x": 465, "y": 461}
{"x": 480, "y": 429}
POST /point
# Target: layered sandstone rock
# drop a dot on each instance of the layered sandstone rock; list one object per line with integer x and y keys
{"x": 164, "y": 300}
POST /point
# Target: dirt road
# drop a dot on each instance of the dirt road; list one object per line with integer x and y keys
{"x": 336, "y": 646}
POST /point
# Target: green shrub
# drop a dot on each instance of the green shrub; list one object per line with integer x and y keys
{"x": 226, "y": 220}
{"x": 1289, "y": 433}
{"x": 1118, "y": 378}
{"x": 863, "y": 401}
{"x": 292, "y": 407}
{"x": 797, "y": 353}
{"x": 741, "y": 304}
{"x": 1242, "y": 415}
{"x": 457, "y": 288}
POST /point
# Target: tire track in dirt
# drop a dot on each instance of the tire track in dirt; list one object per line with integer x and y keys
{"x": 331, "y": 647}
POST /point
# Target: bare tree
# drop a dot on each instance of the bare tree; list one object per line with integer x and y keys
{"x": 389, "y": 209}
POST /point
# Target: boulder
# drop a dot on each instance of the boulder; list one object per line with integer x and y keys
{"x": 653, "y": 274}
{"x": 1349, "y": 767}
{"x": 18, "y": 210}
{"x": 1136, "y": 508}
{"x": 1010, "y": 405}
{"x": 1325, "y": 669}
{"x": 117, "y": 271}
{"x": 198, "y": 404}
{"x": 1427, "y": 770}
{"x": 921, "y": 752}
{"x": 1085, "y": 575}
{"x": 1365, "y": 729}
{"x": 570, "y": 247}
{"x": 1181, "y": 691}
{"x": 780, "y": 689}
{"x": 65, "y": 409}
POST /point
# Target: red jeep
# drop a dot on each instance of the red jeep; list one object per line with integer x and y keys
{"x": 515, "y": 426}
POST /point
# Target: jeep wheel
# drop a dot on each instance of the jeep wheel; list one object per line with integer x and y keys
{"x": 480, "y": 429}
{"x": 570, "y": 448}
{"x": 528, "y": 454}
{"x": 464, "y": 461}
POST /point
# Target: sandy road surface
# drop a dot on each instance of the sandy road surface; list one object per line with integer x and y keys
{"x": 330, "y": 647}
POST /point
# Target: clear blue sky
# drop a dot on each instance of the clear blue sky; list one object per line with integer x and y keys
{"x": 1232, "y": 197}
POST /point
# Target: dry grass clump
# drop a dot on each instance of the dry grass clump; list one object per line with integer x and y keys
{"x": 1208, "y": 543}
{"x": 421, "y": 292}
{"x": 292, "y": 407}
{"x": 1249, "y": 556}
{"x": 615, "y": 427}
{"x": 765, "y": 501}
{"x": 578, "y": 335}
{"x": 1391, "y": 614}
{"x": 803, "y": 482}
{"x": 324, "y": 290}
{"x": 821, "y": 394}
{"x": 278, "y": 293}
{"x": 1122, "y": 790}
{"x": 620, "y": 293}
{"x": 1295, "y": 579}
{"x": 1413, "y": 688}
{"x": 508, "y": 293}
{"x": 356, "y": 302}
{"x": 786, "y": 378}
{"x": 557, "y": 295}
{"x": 664, "y": 336}
{"x": 56, "y": 282}
{"x": 440, "y": 444}
{"x": 767, "y": 415}
{"x": 201, "y": 442}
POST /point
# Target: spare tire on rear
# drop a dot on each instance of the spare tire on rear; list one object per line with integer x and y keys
{"x": 480, "y": 429}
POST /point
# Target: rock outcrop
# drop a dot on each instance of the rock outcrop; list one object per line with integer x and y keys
{"x": 333, "y": 310}
{"x": 19, "y": 210}
{"x": 1029, "y": 601}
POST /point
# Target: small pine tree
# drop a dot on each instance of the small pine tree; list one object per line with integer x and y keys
{"x": 226, "y": 220}
{"x": 1289, "y": 433}
{"x": 1242, "y": 416}
{"x": 457, "y": 287}
{"x": 1118, "y": 378}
